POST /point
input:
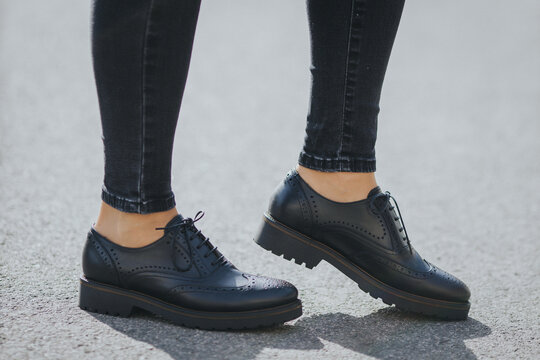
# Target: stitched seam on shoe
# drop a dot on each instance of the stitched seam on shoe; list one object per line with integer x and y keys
{"x": 307, "y": 217}
{"x": 397, "y": 267}
{"x": 142, "y": 268}
{"x": 102, "y": 253}
{"x": 207, "y": 289}
{"x": 114, "y": 268}
{"x": 371, "y": 241}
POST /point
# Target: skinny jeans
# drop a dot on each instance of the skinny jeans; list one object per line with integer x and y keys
{"x": 141, "y": 51}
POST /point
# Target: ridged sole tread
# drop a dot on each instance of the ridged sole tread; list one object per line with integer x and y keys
{"x": 108, "y": 300}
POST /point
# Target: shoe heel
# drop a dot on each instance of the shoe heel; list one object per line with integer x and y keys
{"x": 280, "y": 240}
{"x": 100, "y": 299}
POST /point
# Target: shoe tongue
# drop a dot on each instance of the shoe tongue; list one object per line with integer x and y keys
{"x": 175, "y": 220}
{"x": 376, "y": 190}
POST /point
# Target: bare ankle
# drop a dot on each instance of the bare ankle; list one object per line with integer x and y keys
{"x": 339, "y": 186}
{"x": 129, "y": 229}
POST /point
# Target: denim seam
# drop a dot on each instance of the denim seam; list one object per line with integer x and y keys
{"x": 357, "y": 17}
{"x": 143, "y": 99}
{"x": 346, "y": 79}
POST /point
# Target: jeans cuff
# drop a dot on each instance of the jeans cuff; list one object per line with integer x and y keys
{"x": 343, "y": 164}
{"x": 139, "y": 207}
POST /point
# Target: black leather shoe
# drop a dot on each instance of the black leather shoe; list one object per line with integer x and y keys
{"x": 367, "y": 241}
{"x": 182, "y": 278}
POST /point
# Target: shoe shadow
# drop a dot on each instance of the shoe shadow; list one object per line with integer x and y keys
{"x": 385, "y": 334}
{"x": 393, "y": 334}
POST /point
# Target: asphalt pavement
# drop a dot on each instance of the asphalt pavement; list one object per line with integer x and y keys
{"x": 459, "y": 148}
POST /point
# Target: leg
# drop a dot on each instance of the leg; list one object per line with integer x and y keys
{"x": 330, "y": 208}
{"x": 351, "y": 43}
{"x": 141, "y": 52}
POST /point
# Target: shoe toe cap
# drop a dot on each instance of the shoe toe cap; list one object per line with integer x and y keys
{"x": 273, "y": 292}
{"x": 448, "y": 287}
{"x": 265, "y": 292}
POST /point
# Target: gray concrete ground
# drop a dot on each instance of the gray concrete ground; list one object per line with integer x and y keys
{"x": 458, "y": 146}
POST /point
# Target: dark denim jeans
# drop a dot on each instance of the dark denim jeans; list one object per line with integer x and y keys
{"x": 141, "y": 52}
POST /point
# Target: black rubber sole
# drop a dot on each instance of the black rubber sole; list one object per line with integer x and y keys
{"x": 282, "y": 240}
{"x": 111, "y": 300}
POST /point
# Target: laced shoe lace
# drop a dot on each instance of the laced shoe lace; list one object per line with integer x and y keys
{"x": 188, "y": 223}
{"x": 387, "y": 197}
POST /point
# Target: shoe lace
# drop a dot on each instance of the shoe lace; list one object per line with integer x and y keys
{"x": 188, "y": 223}
{"x": 387, "y": 197}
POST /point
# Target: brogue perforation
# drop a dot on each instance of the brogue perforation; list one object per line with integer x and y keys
{"x": 367, "y": 241}
{"x": 183, "y": 278}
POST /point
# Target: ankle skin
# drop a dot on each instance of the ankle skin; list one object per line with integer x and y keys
{"x": 129, "y": 229}
{"x": 339, "y": 186}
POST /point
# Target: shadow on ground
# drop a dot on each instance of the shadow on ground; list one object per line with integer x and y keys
{"x": 387, "y": 333}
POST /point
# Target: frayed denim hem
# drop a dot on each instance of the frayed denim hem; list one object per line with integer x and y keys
{"x": 132, "y": 206}
{"x": 336, "y": 164}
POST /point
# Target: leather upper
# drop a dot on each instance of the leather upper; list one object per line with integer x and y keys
{"x": 175, "y": 269}
{"x": 367, "y": 232}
